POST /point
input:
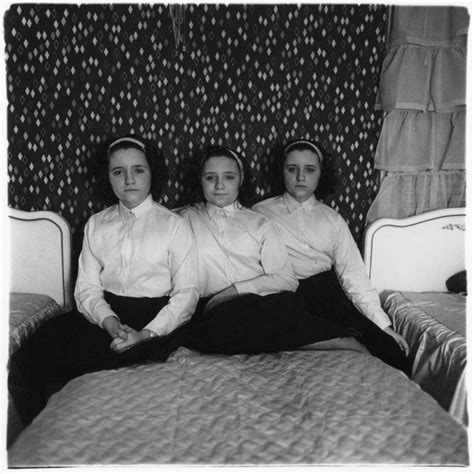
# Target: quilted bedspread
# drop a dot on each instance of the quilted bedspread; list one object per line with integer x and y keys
{"x": 27, "y": 312}
{"x": 312, "y": 407}
{"x": 434, "y": 325}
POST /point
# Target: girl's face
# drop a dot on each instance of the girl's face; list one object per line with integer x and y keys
{"x": 130, "y": 176}
{"x": 220, "y": 180}
{"x": 301, "y": 173}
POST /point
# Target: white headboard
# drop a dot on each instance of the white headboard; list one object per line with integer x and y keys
{"x": 418, "y": 253}
{"x": 40, "y": 255}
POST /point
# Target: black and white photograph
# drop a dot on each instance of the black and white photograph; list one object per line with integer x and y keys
{"x": 235, "y": 235}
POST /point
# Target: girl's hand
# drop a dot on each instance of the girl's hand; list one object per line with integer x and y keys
{"x": 115, "y": 328}
{"x": 133, "y": 337}
{"x": 399, "y": 339}
{"x": 224, "y": 295}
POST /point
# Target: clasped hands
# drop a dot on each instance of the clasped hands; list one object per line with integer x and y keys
{"x": 123, "y": 336}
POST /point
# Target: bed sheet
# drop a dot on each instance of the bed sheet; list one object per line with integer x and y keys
{"x": 434, "y": 325}
{"x": 27, "y": 312}
{"x": 300, "y": 407}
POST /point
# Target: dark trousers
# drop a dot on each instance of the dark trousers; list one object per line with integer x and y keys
{"x": 253, "y": 324}
{"x": 324, "y": 297}
{"x": 68, "y": 345}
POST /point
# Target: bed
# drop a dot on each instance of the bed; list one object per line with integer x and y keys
{"x": 40, "y": 271}
{"x": 39, "y": 280}
{"x": 422, "y": 252}
{"x": 325, "y": 407}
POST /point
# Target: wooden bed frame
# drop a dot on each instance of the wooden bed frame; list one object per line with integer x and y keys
{"x": 418, "y": 253}
{"x": 40, "y": 255}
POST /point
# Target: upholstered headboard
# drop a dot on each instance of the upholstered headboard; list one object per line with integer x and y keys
{"x": 418, "y": 253}
{"x": 40, "y": 255}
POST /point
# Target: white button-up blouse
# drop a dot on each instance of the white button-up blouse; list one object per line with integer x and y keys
{"x": 240, "y": 247}
{"x": 147, "y": 251}
{"x": 317, "y": 239}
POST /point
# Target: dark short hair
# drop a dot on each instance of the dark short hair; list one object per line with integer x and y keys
{"x": 327, "y": 181}
{"x": 153, "y": 155}
{"x": 193, "y": 187}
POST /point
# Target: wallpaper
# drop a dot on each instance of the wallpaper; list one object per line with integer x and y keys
{"x": 245, "y": 75}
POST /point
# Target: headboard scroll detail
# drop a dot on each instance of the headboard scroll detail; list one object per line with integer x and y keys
{"x": 418, "y": 253}
{"x": 454, "y": 227}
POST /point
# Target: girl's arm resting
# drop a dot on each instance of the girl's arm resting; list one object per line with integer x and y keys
{"x": 132, "y": 338}
{"x": 91, "y": 303}
{"x": 268, "y": 284}
{"x": 225, "y": 295}
{"x": 178, "y": 311}
{"x": 353, "y": 278}
{"x": 115, "y": 328}
{"x": 278, "y": 272}
{"x": 399, "y": 339}
{"x": 89, "y": 292}
{"x": 184, "y": 293}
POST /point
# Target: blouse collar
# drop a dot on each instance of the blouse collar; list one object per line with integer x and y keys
{"x": 214, "y": 211}
{"x": 137, "y": 211}
{"x": 292, "y": 204}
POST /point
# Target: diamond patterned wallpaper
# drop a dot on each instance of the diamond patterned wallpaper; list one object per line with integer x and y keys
{"x": 250, "y": 76}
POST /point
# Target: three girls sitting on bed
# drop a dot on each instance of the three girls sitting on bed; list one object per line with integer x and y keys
{"x": 143, "y": 267}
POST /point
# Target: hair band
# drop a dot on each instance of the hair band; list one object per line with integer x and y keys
{"x": 308, "y": 143}
{"x": 231, "y": 152}
{"x": 140, "y": 144}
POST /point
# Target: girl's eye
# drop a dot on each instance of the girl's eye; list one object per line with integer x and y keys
{"x": 310, "y": 170}
{"x": 291, "y": 169}
{"x": 117, "y": 172}
{"x": 139, "y": 170}
{"x": 209, "y": 178}
{"x": 230, "y": 177}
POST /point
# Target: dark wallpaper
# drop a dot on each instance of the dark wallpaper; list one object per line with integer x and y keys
{"x": 249, "y": 76}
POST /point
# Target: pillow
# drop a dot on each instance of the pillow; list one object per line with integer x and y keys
{"x": 457, "y": 283}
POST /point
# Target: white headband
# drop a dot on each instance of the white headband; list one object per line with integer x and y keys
{"x": 308, "y": 143}
{"x": 239, "y": 162}
{"x": 236, "y": 158}
{"x": 127, "y": 139}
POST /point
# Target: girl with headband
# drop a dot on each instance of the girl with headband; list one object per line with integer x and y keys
{"x": 136, "y": 281}
{"x": 324, "y": 256}
{"x": 247, "y": 286}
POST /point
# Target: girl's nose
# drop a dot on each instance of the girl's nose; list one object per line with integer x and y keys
{"x": 220, "y": 183}
{"x": 300, "y": 176}
{"x": 129, "y": 178}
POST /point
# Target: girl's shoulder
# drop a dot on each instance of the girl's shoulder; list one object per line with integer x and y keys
{"x": 171, "y": 216}
{"x": 254, "y": 214}
{"x": 104, "y": 214}
{"x": 257, "y": 223}
{"x": 192, "y": 210}
{"x": 332, "y": 216}
{"x": 327, "y": 210}
{"x": 160, "y": 209}
{"x": 270, "y": 203}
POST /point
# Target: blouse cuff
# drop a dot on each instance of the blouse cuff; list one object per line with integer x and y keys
{"x": 101, "y": 313}
{"x": 381, "y": 319}
{"x": 245, "y": 287}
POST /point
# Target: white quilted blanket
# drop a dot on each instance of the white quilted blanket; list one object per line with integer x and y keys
{"x": 316, "y": 407}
